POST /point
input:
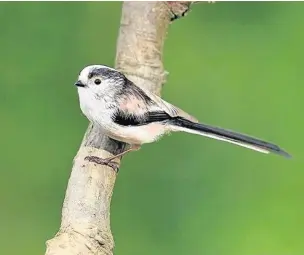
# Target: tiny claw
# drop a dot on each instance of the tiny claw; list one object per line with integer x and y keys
{"x": 101, "y": 161}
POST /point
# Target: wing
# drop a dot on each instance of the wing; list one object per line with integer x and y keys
{"x": 172, "y": 110}
{"x": 125, "y": 119}
{"x": 138, "y": 100}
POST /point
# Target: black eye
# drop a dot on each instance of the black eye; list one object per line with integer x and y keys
{"x": 97, "y": 81}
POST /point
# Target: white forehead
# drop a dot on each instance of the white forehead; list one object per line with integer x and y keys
{"x": 83, "y": 76}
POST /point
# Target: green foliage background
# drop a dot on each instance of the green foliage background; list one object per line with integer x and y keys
{"x": 235, "y": 65}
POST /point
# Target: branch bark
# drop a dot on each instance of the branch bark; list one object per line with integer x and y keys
{"x": 85, "y": 225}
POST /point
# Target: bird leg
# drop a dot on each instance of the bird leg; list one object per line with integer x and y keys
{"x": 108, "y": 161}
{"x": 133, "y": 147}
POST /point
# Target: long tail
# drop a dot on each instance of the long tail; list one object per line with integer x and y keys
{"x": 227, "y": 136}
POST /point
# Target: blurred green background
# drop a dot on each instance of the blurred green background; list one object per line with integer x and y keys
{"x": 234, "y": 65}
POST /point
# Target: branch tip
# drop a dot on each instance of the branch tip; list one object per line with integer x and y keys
{"x": 178, "y": 9}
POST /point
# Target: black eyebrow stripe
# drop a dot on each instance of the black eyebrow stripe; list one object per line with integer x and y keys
{"x": 103, "y": 72}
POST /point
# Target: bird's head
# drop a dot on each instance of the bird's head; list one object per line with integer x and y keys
{"x": 99, "y": 78}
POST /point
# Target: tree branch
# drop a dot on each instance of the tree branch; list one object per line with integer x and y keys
{"x": 85, "y": 225}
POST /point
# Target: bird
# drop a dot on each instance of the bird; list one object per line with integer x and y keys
{"x": 131, "y": 114}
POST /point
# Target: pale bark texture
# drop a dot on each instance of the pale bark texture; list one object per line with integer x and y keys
{"x": 85, "y": 226}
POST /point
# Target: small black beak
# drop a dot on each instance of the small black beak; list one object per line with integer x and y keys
{"x": 79, "y": 84}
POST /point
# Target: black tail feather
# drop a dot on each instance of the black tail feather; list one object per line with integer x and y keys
{"x": 229, "y": 136}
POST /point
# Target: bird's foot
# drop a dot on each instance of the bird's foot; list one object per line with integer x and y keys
{"x": 109, "y": 161}
{"x": 104, "y": 161}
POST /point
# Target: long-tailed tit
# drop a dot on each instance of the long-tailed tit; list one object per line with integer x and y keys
{"x": 135, "y": 116}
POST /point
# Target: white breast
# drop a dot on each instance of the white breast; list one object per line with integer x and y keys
{"x": 94, "y": 109}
